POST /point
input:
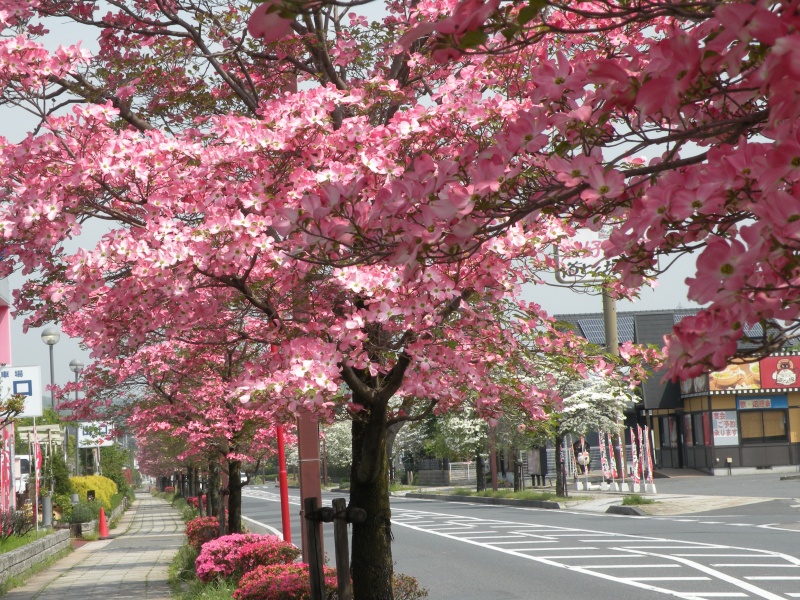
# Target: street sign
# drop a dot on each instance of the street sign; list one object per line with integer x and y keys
{"x": 588, "y": 267}
{"x": 94, "y": 434}
{"x": 26, "y": 381}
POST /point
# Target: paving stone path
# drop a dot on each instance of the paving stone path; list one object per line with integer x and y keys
{"x": 133, "y": 564}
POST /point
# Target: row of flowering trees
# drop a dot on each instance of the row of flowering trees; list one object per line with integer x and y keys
{"x": 361, "y": 243}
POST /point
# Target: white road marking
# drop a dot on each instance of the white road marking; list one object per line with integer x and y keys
{"x": 620, "y": 546}
{"x": 264, "y": 525}
{"x": 669, "y": 578}
{"x": 630, "y": 566}
{"x": 761, "y": 593}
{"x": 754, "y": 565}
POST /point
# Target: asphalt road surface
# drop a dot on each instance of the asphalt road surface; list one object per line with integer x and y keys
{"x": 466, "y": 551}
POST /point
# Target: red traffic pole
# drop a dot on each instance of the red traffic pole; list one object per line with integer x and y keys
{"x": 284, "y": 487}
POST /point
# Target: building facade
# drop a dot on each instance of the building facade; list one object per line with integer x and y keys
{"x": 745, "y": 418}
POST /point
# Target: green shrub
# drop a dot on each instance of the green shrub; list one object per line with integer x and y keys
{"x": 14, "y": 523}
{"x": 64, "y": 503}
{"x": 635, "y": 499}
{"x": 83, "y": 512}
{"x": 406, "y": 587}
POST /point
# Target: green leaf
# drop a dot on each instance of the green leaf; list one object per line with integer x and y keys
{"x": 473, "y": 39}
{"x": 530, "y": 12}
{"x": 562, "y": 148}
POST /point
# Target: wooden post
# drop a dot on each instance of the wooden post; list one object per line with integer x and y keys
{"x": 493, "y": 458}
{"x": 308, "y": 450}
{"x": 313, "y": 549}
{"x": 342, "y": 549}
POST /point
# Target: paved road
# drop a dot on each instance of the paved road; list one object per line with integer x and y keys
{"x": 706, "y": 538}
{"x": 131, "y": 565}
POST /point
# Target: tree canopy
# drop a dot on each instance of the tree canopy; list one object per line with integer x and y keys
{"x": 360, "y": 203}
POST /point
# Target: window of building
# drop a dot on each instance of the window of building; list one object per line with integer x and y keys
{"x": 688, "y": 440}
{"x": 669, "y": 432}
{"x": 701, "y": 429}
{"x": 758, "y": 426}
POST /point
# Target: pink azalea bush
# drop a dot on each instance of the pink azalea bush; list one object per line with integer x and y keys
{"x": 201, "y": 530}
{"x": 194, "y": 501}
{"x": 234, "y": 555}
{"x": 281, "y": 582}
{"x": 290, "y": 582}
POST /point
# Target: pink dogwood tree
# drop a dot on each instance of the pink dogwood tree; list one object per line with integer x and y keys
{"x": 188, "y": 397}
{"x": 375, "y": 226}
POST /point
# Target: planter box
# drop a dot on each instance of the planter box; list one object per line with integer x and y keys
{"x": 78, "y": 530}
{"x": 20, "y": 560}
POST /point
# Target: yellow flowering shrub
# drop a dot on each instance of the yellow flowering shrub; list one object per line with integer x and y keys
{"x": 103, "y": 488}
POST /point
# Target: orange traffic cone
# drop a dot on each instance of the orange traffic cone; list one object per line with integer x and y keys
{"x": 103, "y": 527}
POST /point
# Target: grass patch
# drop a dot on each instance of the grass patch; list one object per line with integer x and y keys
{"x": 510, "y": 494}
{"x": 14, "y": 542}
{"x": 20, "y": 579}
{"x": 399, "y": 487}
{"x": 636, "y": 499}
{"x": 197, "y": 590}
{"x": 182, "y": 567}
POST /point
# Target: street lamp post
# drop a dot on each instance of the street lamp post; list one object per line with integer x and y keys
{"x": 50, "y": 336}
{"x": 76, "y": 366}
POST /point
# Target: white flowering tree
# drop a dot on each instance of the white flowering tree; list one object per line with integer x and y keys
{"x": 600, "y": 406}
{"x": 338, "y": 444}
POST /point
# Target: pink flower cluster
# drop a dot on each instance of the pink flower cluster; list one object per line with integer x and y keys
{"x": 284, "y": 582}
{"x": 194, "y": 501}
{"x": 201, "y": 530}
{"x": 231, "y": 556}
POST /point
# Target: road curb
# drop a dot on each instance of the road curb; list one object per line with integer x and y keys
{"x": 482, "y": 500}
{"x": 632, "y": 511}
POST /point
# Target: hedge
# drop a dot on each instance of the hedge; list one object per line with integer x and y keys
{"x": 104, "y": 488}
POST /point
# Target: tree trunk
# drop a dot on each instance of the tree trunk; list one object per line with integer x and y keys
{"x": 480, "y": 472}
{"x": 371, "y": 560}
{"x": 213, "y": 489}
{"x": 391, "y": 435}
{"x": 234, "y": 497}
{"x": 561, "y": 468}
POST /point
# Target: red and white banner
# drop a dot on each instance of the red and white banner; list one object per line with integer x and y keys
{"x": 649, "y": 451}
{"x": 604, "y": 458}
{"x": 642, "y": 458}
{"x": 6, "y": 468}
{"x": 612, "y": 462}
{"x": 635, "y": 457}
{"x": 37, "y": 472}
{"x": 574, "y": 462}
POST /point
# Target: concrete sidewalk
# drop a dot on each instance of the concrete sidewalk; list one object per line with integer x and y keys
{"x": 133, "y": 564}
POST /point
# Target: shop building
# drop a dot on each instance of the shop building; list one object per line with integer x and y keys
{"x": 745, "y": 418}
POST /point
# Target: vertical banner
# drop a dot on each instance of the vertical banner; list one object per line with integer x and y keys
{"x": 611, "y": 459}
{"x": 574, "y": 462}
{"x": 648, "y": 444}
{"x": 642, "y": 455}
{"x": 37, "y": 454}
{"x": 6, "y": 469}
{"x": 583, "y": 459}
{"x": 635, "y": 457}
{"x": 604, "y": 457}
